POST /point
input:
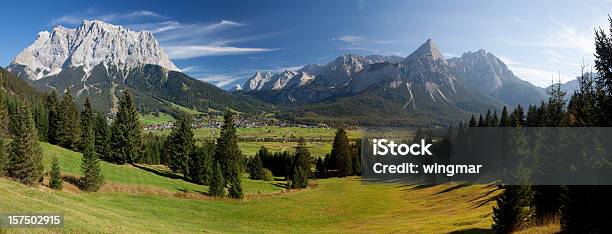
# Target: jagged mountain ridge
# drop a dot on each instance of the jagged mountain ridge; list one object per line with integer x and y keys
{"x": 98, "y": 60}
{"x": 420, "y": 89}
{"x": 91, "y": 44}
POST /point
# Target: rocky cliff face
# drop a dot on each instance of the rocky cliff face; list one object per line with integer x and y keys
{"x": 91, "y": 44}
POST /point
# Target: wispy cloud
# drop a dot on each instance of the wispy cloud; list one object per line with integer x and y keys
{"x": 185, "y": 41}
{"x": 351, "y": 39}
{"x": 192, "y": 51}
{"x": 90, "y": 14}
{"x": 219, "y": 79}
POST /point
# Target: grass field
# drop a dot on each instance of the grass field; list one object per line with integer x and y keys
{"x": 70, "y": 162}
{"x": 332, "y": 205}
{"x": 161, "y": 118}
{"x": 336, "y": 205}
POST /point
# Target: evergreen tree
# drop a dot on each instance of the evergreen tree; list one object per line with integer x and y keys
{"x": 92, "y": 178}
{"x": 488, "y": 120}
{"x": 217, "y": 183}
{"x": 340, "y": 157}
{"x": 55, "y": 125}
{"x": 321, "y": 171}
{"x": 70, "y": 130}
{"x": 102, "y": 133}
{"x": 255, "y": 168}
{"x": 505, "y": 118}
{"x": 300, "y": 166}
{"x": 126, "y": 132}
{"x": 481, "y": 122}
{"x": 25, "y": 158}
{"x": 495, "y": 120}
{"x": 532, "y": 116}
{"x": 179, "y": 145}
{"x": 4, "y": 136}
{"x": 517, "y": 118}
{"x": 55, "y": 182}
{"x": 41, "y": 120}
{"x": 200, "y": 163}
{"x": 472, "y": 122}
{"x": 513, "y": 210}
{"x": 229, "y": 156}
{"x": 356, "y": 153}
{"x": 87, "y": 120}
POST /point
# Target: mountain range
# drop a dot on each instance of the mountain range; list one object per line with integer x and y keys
{"x": 423, "y": 86}
{"x": 98, "y": 60}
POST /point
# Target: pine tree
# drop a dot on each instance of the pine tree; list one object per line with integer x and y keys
{"x": 320, "y": 168}
{"x": 229, "y": 156}
{"x": 300, "y": 166}
{"x": 55, "y": 182}
{"x": 25, "y": 158}
{"x": 505, "y": 118}
{"x": 55, "y": 125}
{"x": 200, "y": 163}
{"x": 179, "y": 145}
{"x": 235, "y": 188}
{"x": 126, "y": 132}
{"x": 70, "y": 130}
{"x": 217, "y": 183}
{"x": 495, "y": 120}
{"x": 517, "y": 118}
{"x": 4, "y": 136}
{"x": 356, "y": 153}
{"x": 481, "y": 122}
{"x": 472, "y": 122}
{"x": 341, "y": 154}
{"x": 513, "y": 210}
{"x": 41, "y": 120}
{"x": 92, "y": 178}
{"x": 488, "y": 119}
{"x": 255, "y": 168}
{"x": 87, "y": 120}
{"x": 102, "y": 133}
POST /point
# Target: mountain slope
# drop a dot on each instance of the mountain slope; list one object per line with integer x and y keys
{"x": 99, "y": 60}
{"x": 487, "y": 73}
{"x": 13, "y": 86}
{"x": 419, "y": 90}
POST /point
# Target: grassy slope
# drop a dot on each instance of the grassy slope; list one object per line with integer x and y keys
{"x": 336, "y": 205}
{"x": 70, "y": 162}
{"x": 161, "y": 118}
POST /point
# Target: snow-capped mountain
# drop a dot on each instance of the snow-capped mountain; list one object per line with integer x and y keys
{"x": 91, "y": 44}
{"x": 337, "y": 73}
{"x": 98, "y": 61}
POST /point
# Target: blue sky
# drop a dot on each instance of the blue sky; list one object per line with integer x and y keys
{"x": 225, "y": 42}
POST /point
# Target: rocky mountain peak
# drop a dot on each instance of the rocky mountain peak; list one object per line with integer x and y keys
{"x": 428, "y": 48}
{"x": 91, "y": 44}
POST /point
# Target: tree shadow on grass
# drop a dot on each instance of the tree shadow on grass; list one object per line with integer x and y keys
{"x": 280, "y": 185}
{"x": 72, "y": 179}
{"x": 160, "y": 173}
{"x": 473, "y": 230}
{"x": 454, "y": 187}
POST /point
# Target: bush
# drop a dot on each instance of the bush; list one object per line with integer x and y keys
{"x": 267, "y": 175}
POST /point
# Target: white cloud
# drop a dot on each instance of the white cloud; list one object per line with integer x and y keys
{"x": 219, "y": 80}
{"x": 350, "y": 39}
{"x": 90, "y": 14}
{"x": 539, "y": 76}
{"x": 193, "y": 51}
